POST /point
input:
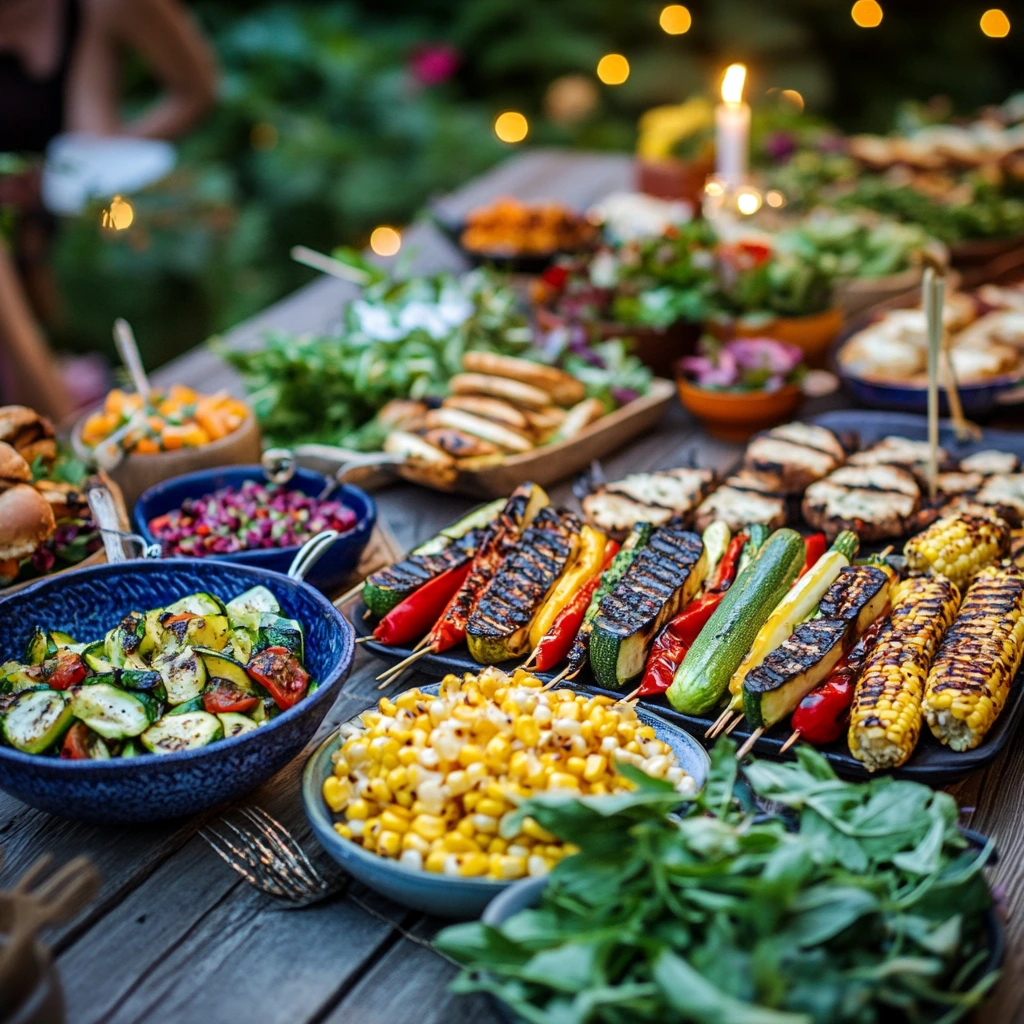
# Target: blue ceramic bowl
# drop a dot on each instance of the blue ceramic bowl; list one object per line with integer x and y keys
{"x": 329, "y": 574}
{"x": 431, "y": 893}
{"x": 88, "y": 602}
{"x": 977, "y": 399}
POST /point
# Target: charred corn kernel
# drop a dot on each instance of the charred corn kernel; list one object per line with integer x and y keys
{"x": 430, "y": 826}
{"x": 497, "y": 751}
{"x": 958, "y": 547}
{"x": 493, "y": 808}
{"x": 357, "y": 810}
{"x": 412, "y": 841}
{"x": 397, "y": 778}
{"x": 387, "y": 707}
{"x": 970, "y": 678}
{"x": 646, "y": 732}
{"x": 343, "y": 830}
{"x": 885, "y": 716}
{"x": 472, "y": 865}
{"x": 389, "y": 844}
{"x": 594, "y": 767}
{"x": 456, "y": 842}
{"x": 393, "y": 821}
{"x": 527, "y": 731}
{"x": 505, "y": 868}
{"x": 532, "y": 828}
{"x": 435, "y": 861}
{"x": 337, "y": 792}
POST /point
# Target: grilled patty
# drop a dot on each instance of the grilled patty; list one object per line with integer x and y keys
{"x": 789, "y": 458}
{"x": 647, "y": 498}
{"x": 526, "y": 575}
{"x": 875, "y": 501}
{"x": 740, "y": 501}
{"x": 658, "y": 572}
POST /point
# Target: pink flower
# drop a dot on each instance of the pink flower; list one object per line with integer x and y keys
{"x": 765, "y": 354}
{"x": 434, "y": 63}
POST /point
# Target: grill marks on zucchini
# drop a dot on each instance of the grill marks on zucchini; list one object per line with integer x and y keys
{"x": 663, "y": 577}
{"x": 499, "y": 627}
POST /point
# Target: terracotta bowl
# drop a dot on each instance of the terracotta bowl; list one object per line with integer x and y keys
{"x": 674, "y": 179}
{"x": 658, "y": 348}
{"x": 137, "y": 473}
{"x": 813, "y": 334}
{"x": 737, "y": 415}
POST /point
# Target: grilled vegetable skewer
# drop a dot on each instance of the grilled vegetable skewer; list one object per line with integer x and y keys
{"x": 971, "y": 675}
{"x": 885, "y": 717}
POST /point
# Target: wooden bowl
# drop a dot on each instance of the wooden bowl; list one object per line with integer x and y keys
{"x": 674, "y": 179}
{"x": 736, "y": 415}
{"x": 137, "y": 473}
{"x": 812, "y": 334}
{"x": 658, "y": 348}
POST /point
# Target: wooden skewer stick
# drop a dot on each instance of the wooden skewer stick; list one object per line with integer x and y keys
{"x": 728, "y": 723}
{"x": 364, "y": 639}
{"x": 414, "y": 657}
{"x": 564, "y": 674}
{"x": 349, "y": 594}
{"x": 932, "y": 289}
{"x": 790, "y": 742}
{"x": 716, "y": 726}
{"x": 749, "y": 745}
{"x": 630, "y": 696}
{"x": 733, "y": 724}
{"x": 367, "y": 614}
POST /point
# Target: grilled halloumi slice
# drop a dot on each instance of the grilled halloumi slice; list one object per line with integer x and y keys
{"x": 990, "y": 463}
{"x": 499, "y": 627}
{"x": 901, "y": 451}
{"x": 646, "y": 498}
{"x": 789, "y": 458}
{"x": 875, "y": 501}
{"x": 1006, "y": 494}
{"x": 742, "y": 501}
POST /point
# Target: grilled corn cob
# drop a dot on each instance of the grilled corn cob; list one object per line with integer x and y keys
{"x": 958, "y": 547}
{"x": 885, "y": 717}
{"x": 979, "y": 656}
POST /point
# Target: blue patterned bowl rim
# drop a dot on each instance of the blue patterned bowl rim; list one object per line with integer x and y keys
{"x": 325, "y": 689}
{"x": 316, "y": 808}
{"x": 366, "y": 510}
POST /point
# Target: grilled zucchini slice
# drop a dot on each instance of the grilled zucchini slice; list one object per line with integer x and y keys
{"x": 190, "y": 731}
{"x": 277, "y": 632}
{"x": 113, "y": 713}
{"x": 665, "y": 575}
{"x": 198, "y": 604}
{"x": 184, "y": 674}
{"x": 219, "y": 666}
{"x": 36, "y": 720}
{"x": 39, "y": 647}
{"x": 246, "y": 609}
{"x": 95, "y": 656}
{"x": 235, "y": 724}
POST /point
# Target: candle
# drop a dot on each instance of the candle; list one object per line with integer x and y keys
{"x": 732, "y": 128}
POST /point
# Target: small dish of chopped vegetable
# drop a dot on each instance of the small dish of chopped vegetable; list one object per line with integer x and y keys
{"x": 235, "y": 514}
{"x": 417, "y": 797}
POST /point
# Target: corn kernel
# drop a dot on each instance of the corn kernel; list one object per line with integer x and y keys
{"x": 358, "y": 810}
{"x": 435, "y": 861}
{"x": 394, "y": 822}
{"x": 412, "y": 841}
{"x": 456, "y": 842}
{"x": 472, "y": 865}
{"x": 532, "y": 828}
{"x": 430, "y": 826}
{"x": 389, "y": 844}
{"x": 343, "y": 830}
{"x": 527, "y": 731}
{"x": 337, "y": 792}
{"x": 492, "y": 808}
{"x": 504, "y": 867}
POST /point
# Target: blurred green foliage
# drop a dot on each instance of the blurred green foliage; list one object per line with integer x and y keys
{"x": 323, "y": 129}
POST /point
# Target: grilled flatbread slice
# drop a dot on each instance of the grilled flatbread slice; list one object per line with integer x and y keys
{"x": 1004, "y": 493}
{"x": 515, "y": 391}
{"x": 990, "y": 462}
{"x": 790, "y": 457}
{"x": 901, "y": 451}
{"x": 876, "y": 501}
{"x": 563, "y": 388}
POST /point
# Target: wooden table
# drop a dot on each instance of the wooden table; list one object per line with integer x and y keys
{"x": 177, "y": 937}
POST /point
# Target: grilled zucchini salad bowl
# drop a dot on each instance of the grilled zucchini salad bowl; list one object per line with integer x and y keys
{"x": 162, "y": 681}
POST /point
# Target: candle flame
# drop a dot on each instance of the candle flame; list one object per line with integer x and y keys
{"x": 732, "y": 83}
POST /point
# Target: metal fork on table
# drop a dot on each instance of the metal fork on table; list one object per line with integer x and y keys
{"x": 268, "y": 857}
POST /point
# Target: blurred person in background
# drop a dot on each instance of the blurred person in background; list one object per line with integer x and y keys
{"x": 60, "y": 71}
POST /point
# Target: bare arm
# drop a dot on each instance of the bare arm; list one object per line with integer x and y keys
{"x": 164, "y": 35}
{"x": 36, "y": 374}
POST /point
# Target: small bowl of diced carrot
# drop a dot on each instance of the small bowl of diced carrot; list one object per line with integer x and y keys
{"x": 178, "y": 430}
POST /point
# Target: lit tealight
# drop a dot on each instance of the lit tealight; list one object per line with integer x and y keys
{"x": 613, "y": 69}
{"x": 866, "y": 13}
{"x": 385, "y": 241}
{"x": 775, "y": 199}
{"x": 511, "y": 126}
{"x": 995, "y": 24}
{"x": 119, "y": 215}
{"x": 675, "y": 19}
{"x": 748, "y": 202}
{"x": 792, "y": 97}
{"x": 714, "y": 188}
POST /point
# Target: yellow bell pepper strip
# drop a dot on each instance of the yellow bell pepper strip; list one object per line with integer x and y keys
{"x": 799, "y": 604}
{"x": 586, "y": 567}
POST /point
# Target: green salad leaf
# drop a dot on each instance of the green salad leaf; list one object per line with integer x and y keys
{"x": 781, "y": 895}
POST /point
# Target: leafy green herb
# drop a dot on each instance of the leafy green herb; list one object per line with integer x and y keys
{"x": 858, "y": 902}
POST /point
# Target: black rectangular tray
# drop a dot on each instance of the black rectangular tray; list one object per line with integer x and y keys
{"x": 931, "y": 762}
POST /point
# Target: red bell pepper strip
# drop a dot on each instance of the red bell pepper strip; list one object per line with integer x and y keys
{"x": 410, "y": 619}
{"x": 675, "y": 639}
{"x": 225, "y": 697}
{"x": 555, "y": 643}
{"x": 278, "y": 671}
{"x": 815, "y": 545}
{"x": 824, "y": 714}
{"x": 64, "y": 670}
